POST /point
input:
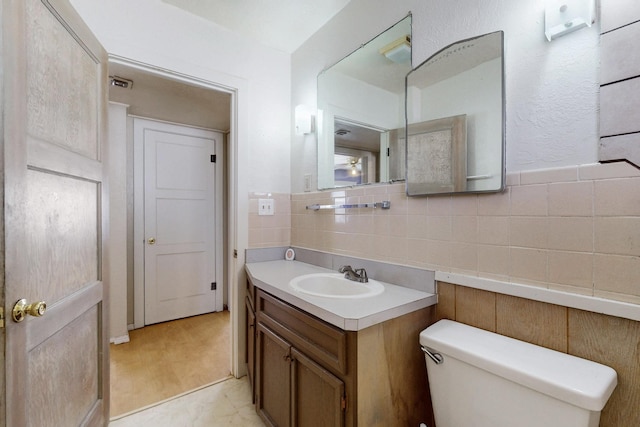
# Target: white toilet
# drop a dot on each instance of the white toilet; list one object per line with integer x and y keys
{"x": 481, "y": 379}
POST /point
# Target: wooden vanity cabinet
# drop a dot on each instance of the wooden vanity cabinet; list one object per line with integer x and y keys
{"x": 250, "y": 344}
{"x": 273, "y": 392}
{"x": 318, "y": 397}
{"x": 311, "y": 373}
{"x": 293, "y": 390}
{"x": 300, "y": 367}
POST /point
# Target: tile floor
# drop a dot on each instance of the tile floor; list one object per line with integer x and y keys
{"x": 167, "y": 359}
{"x": 227, "y": 403}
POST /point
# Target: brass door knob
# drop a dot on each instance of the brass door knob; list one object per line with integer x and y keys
{"x": 151, "y": 240}
{"x": 21, "y": 309}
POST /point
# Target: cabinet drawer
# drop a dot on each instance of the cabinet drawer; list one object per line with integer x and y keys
{"x": 324, "y": 343}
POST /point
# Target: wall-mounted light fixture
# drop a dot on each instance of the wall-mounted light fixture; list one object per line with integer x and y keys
{"x": 303, "y": 120}
{"x": 566, "y": 16}
{"x": 398, "y": 51}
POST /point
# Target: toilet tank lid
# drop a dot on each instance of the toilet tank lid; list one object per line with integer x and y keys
{"x": 577, "y": 381}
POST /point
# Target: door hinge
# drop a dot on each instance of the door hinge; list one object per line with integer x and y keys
{"x": 388, "y": 152}
{"x": 343, "y": 402}
{"x": 235, "y": 253}
{"x": 1, "y": 317}
{"x": 213, "y": 158}
{"x": 214, "y": 286}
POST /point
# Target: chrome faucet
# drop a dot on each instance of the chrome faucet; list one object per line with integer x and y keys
{"x": 359, "y": 275}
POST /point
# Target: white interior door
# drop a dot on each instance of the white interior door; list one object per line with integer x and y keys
{"x": 181, "y": 273}
{"x": 54, "y": 120}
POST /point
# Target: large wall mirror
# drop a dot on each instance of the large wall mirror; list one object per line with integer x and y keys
{"x": 455, "y": 119}
{"x": 360, "y": 121}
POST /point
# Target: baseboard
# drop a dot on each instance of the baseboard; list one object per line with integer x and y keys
{"x": 120, "y": 340}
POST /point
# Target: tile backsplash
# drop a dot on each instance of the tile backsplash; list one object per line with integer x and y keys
{"x": 572, "y": 229}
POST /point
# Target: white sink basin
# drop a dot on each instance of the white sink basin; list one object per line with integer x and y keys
{"x": 334, "y": 285}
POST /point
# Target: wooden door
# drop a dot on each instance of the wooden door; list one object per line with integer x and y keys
{"x": 54, "y": 102}
{"x": 318, "y": 395}
{"x": 181, "y": 185}
{"x": 273, "y": 378}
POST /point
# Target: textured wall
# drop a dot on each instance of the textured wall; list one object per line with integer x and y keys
{"x": 155, "y": 33}
{"x": 551, "y": 88}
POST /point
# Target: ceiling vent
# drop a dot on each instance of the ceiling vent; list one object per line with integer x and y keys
{"x": 120, "y": 82}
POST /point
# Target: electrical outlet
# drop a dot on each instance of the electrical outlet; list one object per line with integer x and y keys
{"x": 307, "y": 182}
{"x": 265, "y": 207}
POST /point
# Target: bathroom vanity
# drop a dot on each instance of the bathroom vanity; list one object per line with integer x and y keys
{"x": 334, "y": 361}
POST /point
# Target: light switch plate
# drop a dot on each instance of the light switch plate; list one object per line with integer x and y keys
{"x": 307, "y": 182}
{"x": 265, "y": 207}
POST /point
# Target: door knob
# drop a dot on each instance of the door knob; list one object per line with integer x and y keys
{"x": 152, "y": 240}
{"x": 21, "y": 309}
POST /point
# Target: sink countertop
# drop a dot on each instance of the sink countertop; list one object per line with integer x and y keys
{"x": 348, "y": 314}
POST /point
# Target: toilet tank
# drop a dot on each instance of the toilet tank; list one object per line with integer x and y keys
{"x": 489, "y": 380}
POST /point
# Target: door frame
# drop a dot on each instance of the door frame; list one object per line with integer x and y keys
{"x": 237, "y": 189}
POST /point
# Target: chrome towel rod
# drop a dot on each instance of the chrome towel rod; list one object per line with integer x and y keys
{"x": 474, "y": 177}
{"x": 383, "y": 205}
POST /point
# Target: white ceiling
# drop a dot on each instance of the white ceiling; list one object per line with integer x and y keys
{"x": 281, "y": 24}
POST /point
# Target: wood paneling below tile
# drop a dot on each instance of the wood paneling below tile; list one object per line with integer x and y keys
{"x": 475, "y": 307}
{"x": 532, "y": 321}
{"x": 614, "y": 342}
{"x": 446, "y": 307}
{"x": 609, "y": 340}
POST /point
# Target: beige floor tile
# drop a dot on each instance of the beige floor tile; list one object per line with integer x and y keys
{"x": 226, "y": 403}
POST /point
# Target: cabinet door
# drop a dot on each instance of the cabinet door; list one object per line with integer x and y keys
{"x": 251, "y": 347}
{"x": 318, "y": 395}
{"x": 273, "y": 378}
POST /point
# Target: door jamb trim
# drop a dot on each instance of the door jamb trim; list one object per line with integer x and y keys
{"x": 237, "y": 184}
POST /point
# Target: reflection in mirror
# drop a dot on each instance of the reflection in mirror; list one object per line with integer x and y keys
{"x": 455, "y": 119}
{"x": 361, "y": 112}
{"x": 357, "y": 152}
